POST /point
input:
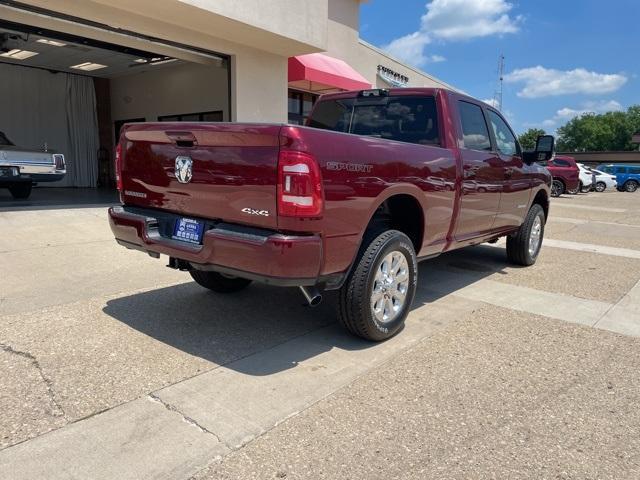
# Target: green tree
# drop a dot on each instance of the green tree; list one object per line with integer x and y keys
{"x": 528, "y": 138}
{"x": 600, "y": 132}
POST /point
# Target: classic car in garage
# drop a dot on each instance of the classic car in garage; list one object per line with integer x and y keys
{"x": 21, "y": 168}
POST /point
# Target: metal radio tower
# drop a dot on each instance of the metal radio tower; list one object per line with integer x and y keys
{"x": 497, "y": 97}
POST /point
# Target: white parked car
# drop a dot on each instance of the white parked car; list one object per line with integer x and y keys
{"x": 21, "y": 167}
{"x": 604, "y": 181}
{"x": 586, "y": 180}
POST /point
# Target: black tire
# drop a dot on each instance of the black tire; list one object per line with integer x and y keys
{"x": 584, "y": 189}
{"x": 218, "y": 282}
{"x": 600, "y": 187}
{"x": 518, "y": 244}
{"x": 631, "y": 186}
{"x": 355, "y": 309}
{"x": 21, "y": 191}
{"x": 557, "y": 188}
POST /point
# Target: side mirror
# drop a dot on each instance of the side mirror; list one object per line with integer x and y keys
{"x": 545, "y": 148}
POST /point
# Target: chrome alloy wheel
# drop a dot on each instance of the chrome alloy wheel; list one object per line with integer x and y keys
{"x": 390, "y": 287}
{"x": 535, "y": 236}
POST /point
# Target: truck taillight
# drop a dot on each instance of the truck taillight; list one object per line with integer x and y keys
{"x": 299, "y": 185}
{"x": 58, "y": 158}
{"x": 119, "y": 167}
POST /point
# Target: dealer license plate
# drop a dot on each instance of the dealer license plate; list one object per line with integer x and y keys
{"x": 188, "y": 230}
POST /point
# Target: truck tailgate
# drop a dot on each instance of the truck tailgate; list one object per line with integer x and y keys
{"x": 232, "y": 174}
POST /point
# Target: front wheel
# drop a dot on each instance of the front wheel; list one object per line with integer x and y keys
{"x": 21, "y": 191}
{"x": 524, "y": 246}
{"x": 376, "y": 297}
{"x": 601, "y": 187}
{"x": 584, "y": 189}
{"x": 219, "y": 282}
{"x": 631, "y": 186}
{"x": 557, "y": 188}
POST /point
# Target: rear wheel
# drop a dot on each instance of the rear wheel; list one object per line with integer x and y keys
{"x": 601, "y": 187}
{"x": 219, "y": 282}
{"x": 557, "y": 188}
{"x": 631, "y": 186}
{"x": 21, "y": 190}
{"x": 524, "y": 246}
{"x": 376, "y": 297}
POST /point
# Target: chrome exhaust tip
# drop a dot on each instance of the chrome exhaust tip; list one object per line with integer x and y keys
{"x": 311, "y": 295}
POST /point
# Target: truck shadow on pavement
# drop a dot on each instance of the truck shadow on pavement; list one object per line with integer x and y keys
{"x": 226, "y": 328}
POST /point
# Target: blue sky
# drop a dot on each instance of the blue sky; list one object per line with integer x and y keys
{"x": 562, "y": 57}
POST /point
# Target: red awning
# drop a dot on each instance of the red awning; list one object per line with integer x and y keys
{"x": 318, "y": 72}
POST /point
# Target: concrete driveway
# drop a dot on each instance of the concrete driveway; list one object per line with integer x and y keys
{"x": 113, "y": 366}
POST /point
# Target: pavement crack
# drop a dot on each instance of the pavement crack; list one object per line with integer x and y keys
{"x": 58, "y": 410}
{"x": 185, "y": 418}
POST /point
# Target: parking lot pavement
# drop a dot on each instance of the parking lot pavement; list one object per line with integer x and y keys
{"x": 497, "y": 394}
{"x": 92, "y": 335}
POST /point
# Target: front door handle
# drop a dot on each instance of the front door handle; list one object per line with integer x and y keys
{"x": 508, "y": 172}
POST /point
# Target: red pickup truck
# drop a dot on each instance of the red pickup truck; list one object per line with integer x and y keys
{"x": 377, "y": 181}
{"x": 565, "y": 173}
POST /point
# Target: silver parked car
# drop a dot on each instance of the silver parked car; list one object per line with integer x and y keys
{"x": 20, "y": 167}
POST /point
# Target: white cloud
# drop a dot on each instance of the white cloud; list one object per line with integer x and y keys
{"x": 452, "y": 20}
{"x": 544, "y": 82}
{"x": 436, "y": 58}
{"x": 464, "y": 19}
{"x": 409, "y": 48}
{"x": 565, "y": 114}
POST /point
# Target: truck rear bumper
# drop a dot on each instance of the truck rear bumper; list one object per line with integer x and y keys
{"x": 262, "y": 255}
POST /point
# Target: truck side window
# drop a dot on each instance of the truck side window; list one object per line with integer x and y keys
{"x": 505, "y": 140}
{"x": 474, "y": 127}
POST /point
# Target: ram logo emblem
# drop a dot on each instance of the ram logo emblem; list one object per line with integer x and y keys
{"x": 184, "y": 169}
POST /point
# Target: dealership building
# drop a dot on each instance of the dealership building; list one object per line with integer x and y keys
{"x": 73, "y": 72}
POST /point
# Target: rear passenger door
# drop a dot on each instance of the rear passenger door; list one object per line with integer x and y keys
{"x": 481, "y": 171}
{"x": 516, "y": 191}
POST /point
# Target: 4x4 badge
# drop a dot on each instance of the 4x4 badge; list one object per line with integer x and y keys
{"x": 253, "y": 211}
{"x": 184, "y": 169}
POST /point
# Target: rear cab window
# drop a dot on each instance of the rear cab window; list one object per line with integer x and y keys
{"x": 404, "y": 118}
{"x": 475, "y": 133}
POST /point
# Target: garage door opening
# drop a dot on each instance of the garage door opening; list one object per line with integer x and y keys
{"x": 72, "y": 95}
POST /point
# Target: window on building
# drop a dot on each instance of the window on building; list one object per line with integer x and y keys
{"x": 215, "y": 116}
{"x": 505, "y": 140}
{"x": 299, "y": 106}
{"x": 474, "y": 127}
